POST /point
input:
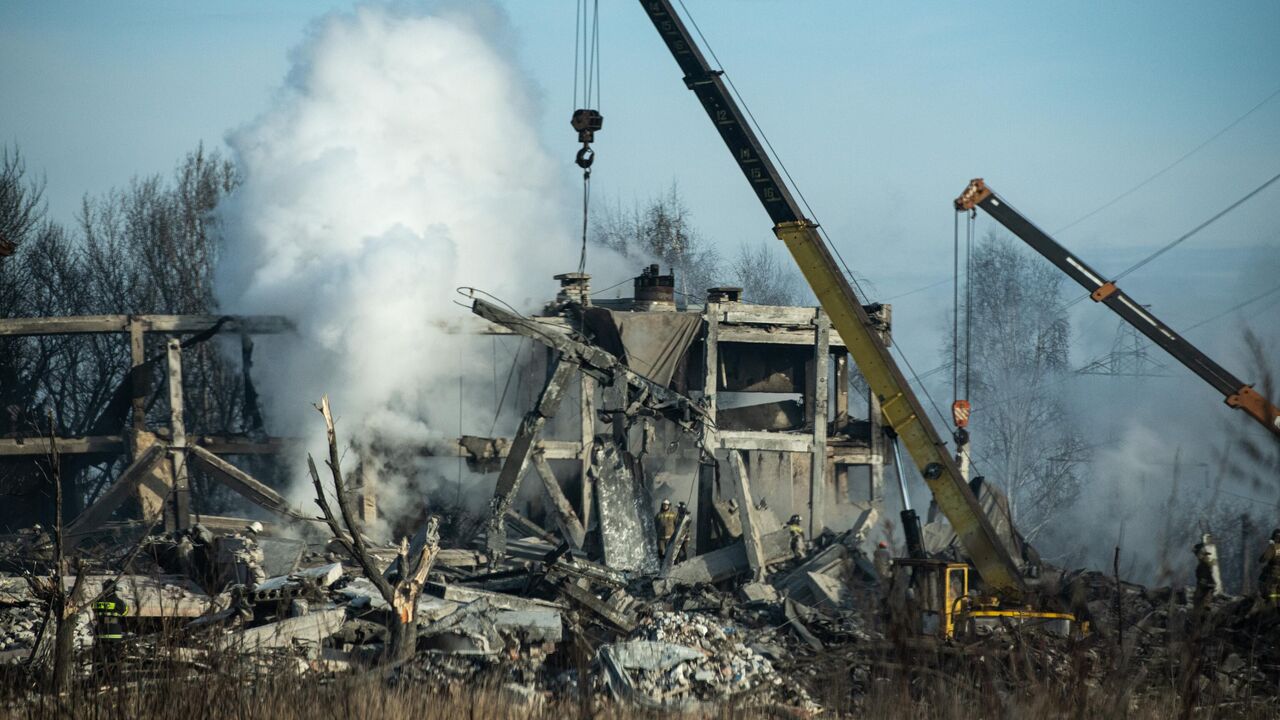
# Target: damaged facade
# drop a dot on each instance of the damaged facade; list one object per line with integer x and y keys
{"x": 771, "y": 384}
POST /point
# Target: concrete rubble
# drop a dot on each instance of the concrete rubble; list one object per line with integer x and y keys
{"x": 532, "y": 626}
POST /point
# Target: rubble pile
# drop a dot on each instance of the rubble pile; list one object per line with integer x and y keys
{"x": 675, "y": 658}
{"x": 18, "y": 626}
{"x": 546, "y": 624}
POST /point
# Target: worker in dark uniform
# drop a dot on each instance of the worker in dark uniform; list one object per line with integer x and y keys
{"x": 665, "y": 524}
{"x": 108, "y": 638}
{"x": 1205, "y": 584}
{"x": 683, "y": 553}
{"x": 1269, "y": 578}
{"x": 795, "y": 531}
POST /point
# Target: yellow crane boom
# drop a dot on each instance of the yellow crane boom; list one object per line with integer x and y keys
{"x": 901, "y": 409}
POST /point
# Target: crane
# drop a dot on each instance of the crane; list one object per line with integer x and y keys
{"x": 1235, "y": 392}
{"x": 902, "y": 410}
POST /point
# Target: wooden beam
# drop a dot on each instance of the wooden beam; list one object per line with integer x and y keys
{"x": 81, "y": 324}
{"x": 138, "y": 381}
{"x": 91, "y": 445}
{"x": 563, "y": 511}
{"x": 747, "y": 514}
{"x": 238, "y": 445}
{"x": 217, "y": 444}
{"x": 180, "y": 516}
{"x": 124, "y": 486}
{"x": 761, "y": 440}
{"x": 243, "y": 483}
{"x": 817, "y": 477}
{"x": 768, "y": 314}
{"x": 498, "y": 448}
{"x": 517, "y": 461}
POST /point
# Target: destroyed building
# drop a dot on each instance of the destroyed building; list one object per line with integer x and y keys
{"x": 776, "y": 380}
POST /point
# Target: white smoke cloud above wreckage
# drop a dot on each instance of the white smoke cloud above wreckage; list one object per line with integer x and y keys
{"x": 398, "y": 162}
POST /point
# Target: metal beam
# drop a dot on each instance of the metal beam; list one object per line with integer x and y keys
{"x": 83, "y": 324}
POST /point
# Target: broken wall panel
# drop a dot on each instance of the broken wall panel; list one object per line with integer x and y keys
{"x": 625, "y": 513}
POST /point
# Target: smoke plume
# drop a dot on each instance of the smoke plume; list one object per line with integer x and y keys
{"x": 398, "y": 161}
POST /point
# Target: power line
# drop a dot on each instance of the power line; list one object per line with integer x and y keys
{"x": 1170, "y": 166}
{"x": 930, "y": 286}
{"x": 1199, "y": 227}
{"x": 1185, "y": 236}
{"x": 1232, "y": 309}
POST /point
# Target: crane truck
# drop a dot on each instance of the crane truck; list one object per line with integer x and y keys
{"x": 1235, "y": 392}
{"x": 1006, "y": 595}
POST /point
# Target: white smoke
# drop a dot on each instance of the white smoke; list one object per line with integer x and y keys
{"x": 398, "y": 161}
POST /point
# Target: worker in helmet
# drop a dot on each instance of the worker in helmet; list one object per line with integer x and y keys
{"x": 108, "y": 632}
{"x": 1269, "y": 577}
{"x": 665, "y": 523}
{"x": 683, "y": 553}
{"x": 1206, "y": 587}
{"x": 799, "y": 548}
{"x": 882, "y": 559}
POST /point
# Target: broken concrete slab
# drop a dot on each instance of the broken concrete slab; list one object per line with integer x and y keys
{"x": 759, "y": 592}
{"x": 362, "y": 595}
{"x": 308, "y": 629}
{"x": 322, "y": 576}
{"x": 587, "y": 600}
{"x": 465, "y": 595}
{"x": 533, "y": 626}
{"x": 727, "y": 562}
{"x": 625, "y": 517}
{"x": 828, "y": 591}
{"x": 151, "y": 596}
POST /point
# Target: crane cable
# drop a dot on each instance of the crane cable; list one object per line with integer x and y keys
{"x": 960, "y": 403}
{"x": 586, "y": 116}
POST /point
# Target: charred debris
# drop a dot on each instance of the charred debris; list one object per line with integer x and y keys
{"x": 702, "y": 522}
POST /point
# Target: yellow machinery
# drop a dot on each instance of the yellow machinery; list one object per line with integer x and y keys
{"x": 935, "y": 596}
{"x": 900, "y": 408}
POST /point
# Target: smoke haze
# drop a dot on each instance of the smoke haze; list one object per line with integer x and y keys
{"x": 397, "y": 162}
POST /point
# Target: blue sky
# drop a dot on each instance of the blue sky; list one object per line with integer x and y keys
{"x": 882, "y": 112}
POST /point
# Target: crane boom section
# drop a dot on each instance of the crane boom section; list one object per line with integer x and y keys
{"x": 1236, "y": 393}
{"x": 901, "y": 409}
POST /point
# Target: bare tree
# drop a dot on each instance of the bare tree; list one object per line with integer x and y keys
{"x": 661, "y": 231}
{"x": 1023, "y": 436}
{"x": 411, "y": 572}
{"x": 767, "y": 276}
{"x": 150, "y": 248}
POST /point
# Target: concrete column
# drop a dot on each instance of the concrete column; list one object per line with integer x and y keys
{"x": 817, "y": 477}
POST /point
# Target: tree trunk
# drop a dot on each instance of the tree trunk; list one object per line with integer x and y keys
{"x": 402, "y": 638}
{"x": 64, "y": 625}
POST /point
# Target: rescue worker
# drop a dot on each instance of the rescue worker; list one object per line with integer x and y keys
{"x": 1205, "y": 584}
{"x": 665, "y": 523}
{"x": 799, "y": 548}
{"x": 681, "y": 510}
{"x": 1269, "y": 578}
{"x": 108, "y": 632}
{"x": 252, "y": 556}
{"x": 882, "y": 559}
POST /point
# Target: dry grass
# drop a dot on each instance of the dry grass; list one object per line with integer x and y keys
{"x": 240, "y": 693}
